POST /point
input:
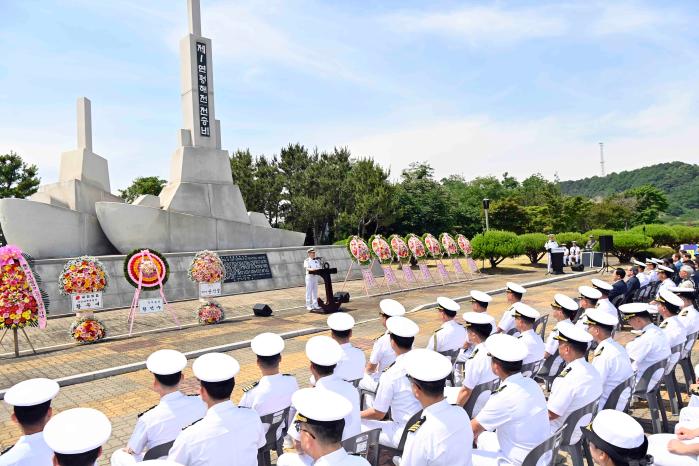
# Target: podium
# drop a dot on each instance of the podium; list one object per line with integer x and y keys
{"x": 330, "y": 304}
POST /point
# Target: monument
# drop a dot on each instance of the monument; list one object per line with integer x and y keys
{"x": 199, "y": 208}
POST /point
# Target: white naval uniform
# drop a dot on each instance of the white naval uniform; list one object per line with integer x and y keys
{"x": 270, "y": 394}
{"x": 226, "y": 436}
{"x": 657, "y": 443}
{"x": 507, "y": 321}
{"x": 30, "y": 450}
{"x": 161, "y": 424}
{"x": 394, "y": 392}
{"x": 646, "y": 349}
{"x": 335, "y": 384}
{"x": 606, "y": 305}
{"x": 614, "y": 367}
{"x": 550, "y": 244}
{"x": 535, "y": 346}
{"x": 477, "y": 370}
{"x": 294, "y": 459}
{"x": 676, "y": 335}
{"x": 643, "y": 279}
{"x": 575, "y": 254}
{"x": 311, "y": 283}
{"x": 578, "y": 385}
{"x": 450, "y": 336}
{"x": 340, "y": 458}
{"x": 465, "y": 353}
{"x": 653, "y": 276}
{"x": 352, "y": 363}
{"x": 383, "y": 356}
{"x": 667, "y": 283}
{"x": 517, "y": 412}
{"x": 551, "y": 346}
{"x": 443, "y": 437}
{"x": 689, "y": 317}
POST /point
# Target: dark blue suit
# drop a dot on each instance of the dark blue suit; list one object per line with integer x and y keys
{"x": 618, "y": 289}
{"x": 632, "y": 285}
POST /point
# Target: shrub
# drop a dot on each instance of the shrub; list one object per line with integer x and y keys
{"x": 685, "y": 235}
{"x": 496, "y": 246}
{"x": 662, "y": 235}
{"x": 341, "y": 242}
{"x": 660, "y": 253}
{"x": 568, "y": 237}
{"x": 628, "y": 244}
{"x": 533, "y": 246}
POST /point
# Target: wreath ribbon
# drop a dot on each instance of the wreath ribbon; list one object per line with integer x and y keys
{"x": 34, "y": 287}
{"x": 145, "y": 254}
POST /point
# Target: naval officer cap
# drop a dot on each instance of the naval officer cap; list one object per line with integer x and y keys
{"x": 596, "y": 316}
{"x": 515, "y": 288}
{"x": 567, "y": 303}
{"x": 311, "y": 250}
{"x": 684, "y": 289}
{"x": 317, "y": 405}
{"x": 481, "y": 297}
{"x": 664, "y": 268}
{"x": 632, "y": 309}
{"x": 32, "y": 392}
{"x": 166, "y": 362}
{"x": 391, "y": 307}
{"x": 572, "y": 333}
{"x": 427, "y": 365}
{"x": 215, "y": 367}
{"x": 650, "y": 261}
{"x": 402, "y": 327}
{"x": 267, "y": 344}
{"x": 589, "y": 292}
{"x": 524, "y": 310}
{"x": 668, "y": 297}
{"x": 620, "y": 436}
{"x": 323, "y": 350}
{"x": 77, "y": 430}
{"x": 639, "y": 263}
{"x": 340, "y": 321}
{"x": 448, "y": 304}
{"x": 601, "y": 285}
{"x": 656, "y": 261}
{"x": 506, "y": 347}
{"x": 476, "y": 318}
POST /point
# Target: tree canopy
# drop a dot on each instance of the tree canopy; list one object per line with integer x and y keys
{"x": 17, "y": 179}
{"x": 142, "y": 185}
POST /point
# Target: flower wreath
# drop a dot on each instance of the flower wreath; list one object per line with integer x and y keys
{"x": 21, "y": 298}
{"x": 416, "y": 246}
{"x": 434, "y": 249}
{"x": 136, "y": 265}
{"x": 399, "y": 248}
{"x": 87, "y": 330}
{"x": 464, "y": 244}
{"x": 359, "y": 250}
{"x": 84, "y": 274}
{"x": 210, "y": 312}
{"x": 381, "y": 249}
{"x": 449, "y": 245}
{"x": 206, "y": 267}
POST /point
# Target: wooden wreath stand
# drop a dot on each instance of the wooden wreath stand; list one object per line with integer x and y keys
{"x": 16, "y": 345}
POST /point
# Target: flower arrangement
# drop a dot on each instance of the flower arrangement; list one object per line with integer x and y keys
{"x": 416, "y": 246}
{"x": 84, "y": 274}
{"x": 464, "y": 244}
{"x": 210, "y": 312}
{"x": 151, "y": 268}
{"x": 399, "y": 248}
{"x": 381, "y": 249}
{"x": 359, "y": 250}
{"x": 432, "y": 245}
{"x": 206, "y": 267}
{"x": 19, "y": 293}
{"x": 449, "y": 245}
{"x": 87, "y": 330}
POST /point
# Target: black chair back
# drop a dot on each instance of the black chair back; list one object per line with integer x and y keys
{"x": 540, "y": 326}
{"x": 615, "y": 395}
{"x": 273, "y": 442}
{"x": 365, "y": 445}
{"x": 576, "y": 419}
{"x": 552, "y": 444}
{"x": 477, "y": 391}
{"x": 158, "y": 451}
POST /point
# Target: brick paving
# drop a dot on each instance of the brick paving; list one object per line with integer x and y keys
{"x": 122, "y": 397}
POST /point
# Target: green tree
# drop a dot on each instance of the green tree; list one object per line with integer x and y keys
{"x": 533, "y": 246}
{"x": 508, "y": 215}
{"x": 17, "y": 179}
{"x": 496, "y": 246}
{"x": 663, "y": 235}
{"x": 243, "y": 172}
{"x": 650, "y": 203}
{"x": 615, "y": 212}
{"x": 628, "y": 244}
{"x": 142, "y": 185}
{"x": 423, "y": 202}
{"x": 685, "y": 235}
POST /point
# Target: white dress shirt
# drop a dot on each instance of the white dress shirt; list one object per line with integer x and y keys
{"x": 551, "y": 346}
{"x": 450, "y": 336}
{"x": 614, "y": 367}
{"x": 676, "y": 335}
{"x": 535, "y": 346}
{"x": 442, "y": 438}
{"x": 646, "y": 349}
{"x": 352, "y": 363}
{"x": 30, "y": 450}
{"x": 643, "y": 279}
{"x": 382, "y": 354}
{"x": 270, "y": 394}
{"x": 340, "y": 458}
{"x": 291, "y": 458}
{"x": 507, "y": 321}
{"x": 606, "y": 305}
{"x": 310, "y": 264}
{"x": 335, "y": 384}
{"x": 226, "y": 436}
{"x": 578, "y": 385}
{"x": 477, "y": 370}
{"x": 689, "y": 317}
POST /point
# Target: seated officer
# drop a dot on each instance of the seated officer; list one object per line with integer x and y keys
{"x": 31, "y": 405}
{"x": 669, "y": 305}
{"x": 579, "y": 384}
{"x": 479, "y": 304}
{"x": 163, "y": 422}
{"x": 353, "y": 361}
{"x": 610, "y": 358}
{"x": 643, "y": 277}
{"x": 381, "y": 355}
{"x": 514, "y": 294}
{"x": 650, "y": 346}
{"x": 451, "y": 335}
{"x": 320, "y": 421}
{"x": 298, "y": 456}
{"x": 564, "y": 311}
{"x": 442, "y": 436}
{"x": 525, "y": 317}
{"x": 516, "y": 411}
{"x": 324, "y": 353}
{"x": 617, "y": 439}
{"x": 603, "y": 302}
{"x": 588, "y": 300}
{"x": 226, "y": 429}
{"x": 689, "y": 316}
{"x": 76, "y": 436}
{"x": 395, "y": 391}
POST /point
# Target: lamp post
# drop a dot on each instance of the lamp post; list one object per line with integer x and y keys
{"x": 486, "y": 206}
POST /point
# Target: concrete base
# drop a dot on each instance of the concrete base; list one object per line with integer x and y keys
{"x": 44, "y": 230}
{"x": 286, "y": 265}
{"x": 74, "y": 195}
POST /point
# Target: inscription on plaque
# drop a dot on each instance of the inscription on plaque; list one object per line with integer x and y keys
{"x": 245, "y": 267}
{"x": 203, "y": 83}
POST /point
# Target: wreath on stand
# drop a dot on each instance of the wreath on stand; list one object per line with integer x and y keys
{"x": 21, "y": 297}
{"x": 152, "y": 270}
{"x": 381, "y": 249}
{"x": 464, "y": 245}
{"x": 359, "y": 250}
{"x": 207, "y": 267}
{"x": 81, "y": 275}
{"x": 399, "y": 248}
{"x": 416, "y": 246}
{"x": 449, "y": 245}
{"x": 434, "y": 249}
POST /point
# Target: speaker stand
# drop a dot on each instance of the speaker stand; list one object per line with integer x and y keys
{"x": 605, "y": 268}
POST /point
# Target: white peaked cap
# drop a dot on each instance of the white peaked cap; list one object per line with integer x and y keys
{"x": 525, "y": 310}
{"x": 215, "y": 367}
{"x": 480, "y": 296}
{"x": 448, "y": 304}
{"x": 665, "y": 268}
{"x": 323, "y": 350}
{"x": 402, "y": 327}
{"x": 267, "y": 344}
{"x": 512, "y": 286}
{"x": 77, "y": 430}
{"x": 391, "y": 307}
{"x": 318, "y": 404}
{"x": 427, "y": 366}
{"x": 637, "y": 262}
{"x": 506, "y": 347}
{"x": 340, "y": 321}
{"x": 565, "y": 302}
{"x": 166, "y": 362}
{"x": 616, "y": 428}
{"x": 570, "y": 332}
{"x": 589, "y": 292}
{"x": 601, "y": 284}
{"x": 670, "y": 297}
{"x": 598, "y": 316}
{"x": 478, "y": 318}
{"x": 32, "y": 392}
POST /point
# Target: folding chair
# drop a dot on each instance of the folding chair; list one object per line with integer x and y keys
{"x": 685, "y": 361}
{"x": 670, "y": 380}
{"x": 158, "y": 451}
{"x": 532, "y": 368}
{"x": 544, "y": 374}
{"x": 477, "y": 391}
{"x": 365, "y": 445}
{"x": 540, "y": 326}
{"x": 614, "y": 397}
{"x": 551, "y": 444}
{"x": 618, "y": 300}
{"x": 398, "y": 451}
{"x": 452, "y": 355}
{"x": 574, "y": 421}
{"x": 274, "y": 420}
{"x": 651, "y": 392}
{"x": 355, "y": 382}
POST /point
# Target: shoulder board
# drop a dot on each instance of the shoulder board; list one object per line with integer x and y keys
{"x": 144, "y": 412}
{"x": 251, "y": 386}
{"x": 692, "y": 391}
{"x": 499, "y": 389}
{"x": 417, "y": 425}
{"x": 440, "y": 328}
{"x": 473, "y": 355}
{"x": 186, "y": 427}
{"x": 663, "y": 324}
{"x": 684, "y": 312}
{"x": 519, "y": 336}
{"x": 288, "y": 375}
{"x": 193, "y": 394}
{"x": 6, "y": 450}
{"x": 599, "y": 350}
{"x": 565, "y": 372}
{"x": 389, "y": 366}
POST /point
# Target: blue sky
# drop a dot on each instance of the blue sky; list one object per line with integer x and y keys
{"x": 474, "y": 88}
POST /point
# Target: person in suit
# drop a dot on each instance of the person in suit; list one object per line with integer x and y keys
{"x": 619, "y": 285}
{"x": 632, "y": 282}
